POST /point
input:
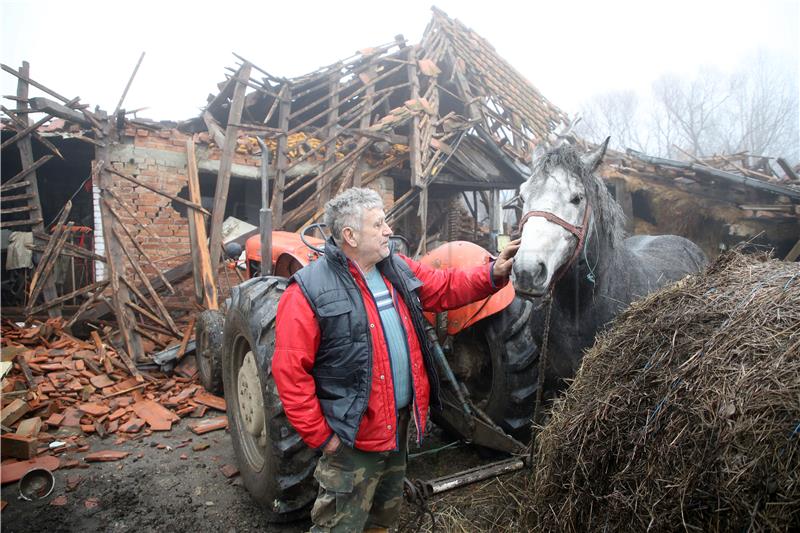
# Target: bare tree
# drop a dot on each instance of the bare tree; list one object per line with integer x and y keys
{"x": 762, "y": 116}
{"x": 693, "y": 108}
{"x": 614, "y": 113}
{"x": 756, "y": 110}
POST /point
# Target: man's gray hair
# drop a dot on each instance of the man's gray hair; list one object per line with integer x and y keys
{"x": 347, "y": 210}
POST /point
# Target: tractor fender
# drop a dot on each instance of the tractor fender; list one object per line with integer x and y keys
{"x": 288, "y": 251}
{"x": 463, "y": 254}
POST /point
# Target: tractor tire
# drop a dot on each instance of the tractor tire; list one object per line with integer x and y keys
{"x": 208, "y": 335}
{"x": 515, "y": 368}
{"x": 275, "y": 465}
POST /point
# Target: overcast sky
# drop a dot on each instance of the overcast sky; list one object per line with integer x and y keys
{"x": 568, "y": 50}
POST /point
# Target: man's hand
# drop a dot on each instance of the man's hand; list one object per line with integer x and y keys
{"x": 332, "y": 445}
{"x": 504, "y": 262}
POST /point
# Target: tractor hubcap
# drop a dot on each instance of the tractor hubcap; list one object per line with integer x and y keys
{"x": 251, "y": 403}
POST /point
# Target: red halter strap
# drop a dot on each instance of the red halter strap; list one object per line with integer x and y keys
{"x": 578, "y": 231}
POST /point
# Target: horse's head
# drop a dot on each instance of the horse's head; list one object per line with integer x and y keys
{"x": 555, "y": 200}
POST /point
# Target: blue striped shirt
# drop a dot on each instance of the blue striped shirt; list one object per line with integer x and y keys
{"x": 394, "y": 334}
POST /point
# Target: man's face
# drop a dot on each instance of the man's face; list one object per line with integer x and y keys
{"x": 372, "y": 240}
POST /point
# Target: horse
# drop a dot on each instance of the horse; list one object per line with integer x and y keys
{"x": 575, "y": 258}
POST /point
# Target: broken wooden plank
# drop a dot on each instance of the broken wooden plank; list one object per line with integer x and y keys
{"x": 139, "y": 246}
{"x": 42, "y": 275}
{"x": 201, "y": 255}
{"x": 29, "y": 427}
{"x": 24, "y": 172}
{"x": 99, "y": 286}
{"x": 187, "y": 334}
{"x": 22, "y": 124}
{"x": 153, "y": 294}
{"x": 33, "y": 127}
{"x": 158, "y": 191}
{"x": 14, "y": 411}
{"x": 225, "y": 163}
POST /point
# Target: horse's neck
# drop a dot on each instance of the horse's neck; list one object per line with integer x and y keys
{"x": 593, "y": 276}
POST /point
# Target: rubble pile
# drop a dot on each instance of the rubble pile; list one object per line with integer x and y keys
{"x": 57, "y": 390}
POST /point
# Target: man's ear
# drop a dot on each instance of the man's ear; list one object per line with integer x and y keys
{"x": 349, "y": 236}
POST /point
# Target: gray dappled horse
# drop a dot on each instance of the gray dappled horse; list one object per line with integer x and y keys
{"x": 573, "y": 245}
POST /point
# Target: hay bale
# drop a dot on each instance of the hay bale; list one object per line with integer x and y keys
{"x": 685, "y": 415}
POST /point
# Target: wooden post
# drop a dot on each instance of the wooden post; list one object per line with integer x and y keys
{"x": 26, "y": 156}
{"x": 200, "y": 252}
{"x": 413, "y": 137}
{"x": 330, "y": 131}
{"x": 284, "y": 109}
{"x": 265, "y": 214}
{"x": 224, "y": 175}
{"x": 367, "y": 112}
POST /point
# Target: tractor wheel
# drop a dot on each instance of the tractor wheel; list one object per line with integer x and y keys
{"x": 515, "y": 368}
{"x": 275, "y": 465}
{"x": 501, "y": 346}
{"x": 208, "y": 336}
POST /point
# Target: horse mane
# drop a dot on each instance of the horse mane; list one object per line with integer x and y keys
{"x": 609, "y": 218}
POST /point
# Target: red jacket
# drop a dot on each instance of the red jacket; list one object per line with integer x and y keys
{"x": 297, "y": 338}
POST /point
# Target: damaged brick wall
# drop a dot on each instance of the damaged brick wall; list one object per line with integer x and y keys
{"x": 158, "y": 159}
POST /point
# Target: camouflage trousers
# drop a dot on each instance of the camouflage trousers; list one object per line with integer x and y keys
{"x": 360, "y": 489}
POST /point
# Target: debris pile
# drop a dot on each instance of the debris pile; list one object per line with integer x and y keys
{"x": 685, "y": 414}
{"x": 57, "y": 390}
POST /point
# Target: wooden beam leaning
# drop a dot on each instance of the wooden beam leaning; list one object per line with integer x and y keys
{"x": 126, "y": 320}
{"x": 46, "y": 263}
{"x": 281, "y": 160}
{"x": 100, "y": 285}
{"x": 124, "y": 205}
{"x": 214, "y": 129}
{"x": 143, "y": 277}
{"x": 33, "y": 127}
{"x": 178, "y": 199}
{"x": 202, "y": 258}
{"x": 225, "y": 163}
{"x": 25, "y": 171}
{"x": 413, "y": 136}
{"x": 138, "y": 246}
{"x": 23, "y": 124}
{"x": 366, "y": 116}
{"x": 26, "y": 156}
{"x": 330, "y": 131}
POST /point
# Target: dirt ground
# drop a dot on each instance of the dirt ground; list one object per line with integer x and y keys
{"x": 165, "y": 484}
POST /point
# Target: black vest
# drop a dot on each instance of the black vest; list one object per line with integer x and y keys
{"x": 343, "y": 367}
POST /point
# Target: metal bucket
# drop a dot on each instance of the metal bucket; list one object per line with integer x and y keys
{"x": 36, "y": 484}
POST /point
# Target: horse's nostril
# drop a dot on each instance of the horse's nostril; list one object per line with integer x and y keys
{"x": 540, "y": 274}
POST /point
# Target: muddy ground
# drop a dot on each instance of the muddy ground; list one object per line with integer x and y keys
{"x": 174, "y": 487}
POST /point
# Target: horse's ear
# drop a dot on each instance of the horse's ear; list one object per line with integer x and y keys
{"x": 592, "y": 160}
{"x": 538, "y": 151}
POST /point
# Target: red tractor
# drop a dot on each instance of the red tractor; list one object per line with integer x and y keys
{"x": 485, "y": 353}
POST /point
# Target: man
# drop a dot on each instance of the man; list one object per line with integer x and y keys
{"x": 352, "y": 363}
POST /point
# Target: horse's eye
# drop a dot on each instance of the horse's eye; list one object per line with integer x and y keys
{"x": 576, "y": 199}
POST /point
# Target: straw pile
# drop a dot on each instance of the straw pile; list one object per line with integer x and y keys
{"x": 685, "y": 414}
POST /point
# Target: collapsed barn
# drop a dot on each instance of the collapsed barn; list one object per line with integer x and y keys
{"x": 107, "y": 215}
{"x": 438, "y": 128}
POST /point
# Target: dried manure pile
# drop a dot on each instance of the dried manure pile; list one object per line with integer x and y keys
{"x": 685, "y": 415}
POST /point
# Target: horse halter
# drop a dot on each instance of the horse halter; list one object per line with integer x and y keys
{"x": 579, "y": 231}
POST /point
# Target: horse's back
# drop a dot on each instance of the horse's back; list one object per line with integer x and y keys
{"x": 656, "y": 260}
